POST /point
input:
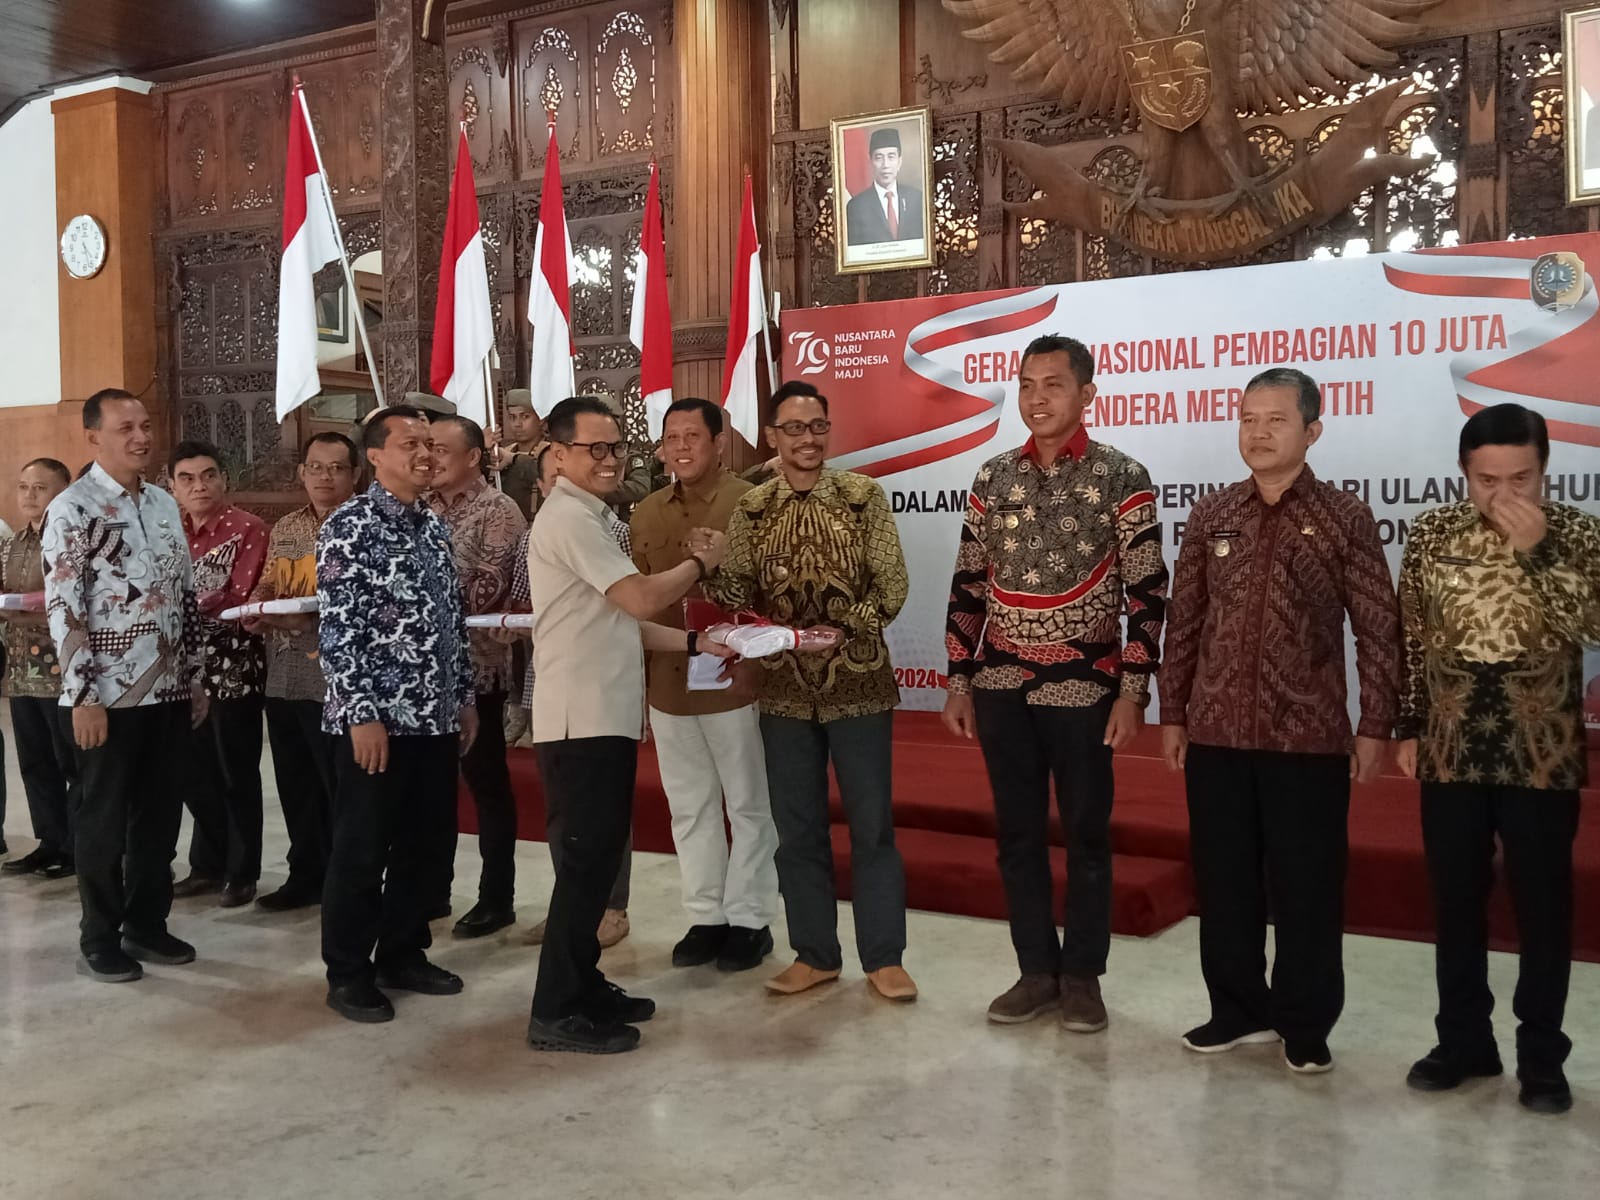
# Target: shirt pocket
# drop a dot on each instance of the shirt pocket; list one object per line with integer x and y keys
{"x": 656, "y": 549}
{"x": 1230, "y": 559}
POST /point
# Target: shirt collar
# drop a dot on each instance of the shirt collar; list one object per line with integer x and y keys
{"x": 1077, "y": 446}
{"x": 566, "y": 487}
{"x": 823, "y": 485}
{"x": 1299, "y": 489}
{"x": 705, "y": 493}
{"x": 101, "y": 478}
{"x": 390, "y": 505}
{"x": 474, "y": 488}
{"x": 193, "y": 527}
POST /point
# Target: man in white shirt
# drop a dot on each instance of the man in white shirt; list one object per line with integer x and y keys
{"x": 120, "y": 598}
{"x": 591, "y": 628}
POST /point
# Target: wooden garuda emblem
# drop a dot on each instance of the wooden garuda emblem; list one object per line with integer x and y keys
{"x": 1189, "y": 70}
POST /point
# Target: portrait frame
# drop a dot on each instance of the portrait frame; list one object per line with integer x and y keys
{"x": 855, "y": 191}
{"x": 333, "y": 315}
{"x": 1580, "y": 60}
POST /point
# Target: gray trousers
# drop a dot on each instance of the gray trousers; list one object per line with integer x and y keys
{"x": 552, "y": 835}
{"x": 797, "y": 755}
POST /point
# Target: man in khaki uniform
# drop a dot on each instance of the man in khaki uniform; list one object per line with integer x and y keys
{"x": 708, "y": 742}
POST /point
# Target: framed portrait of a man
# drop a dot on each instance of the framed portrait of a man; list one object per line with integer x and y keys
{"x": 1580, "y": 52}
{"x": 882, "y": 191}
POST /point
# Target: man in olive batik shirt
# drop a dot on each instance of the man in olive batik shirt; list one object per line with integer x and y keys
{"x": 1498, "y": 596}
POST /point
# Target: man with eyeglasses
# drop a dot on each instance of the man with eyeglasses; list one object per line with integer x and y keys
{"x": 592, "y": 610}
{"x": 486, "y": 528}
{"x": 818, "y": 547}
{"x": 302, "y": 754}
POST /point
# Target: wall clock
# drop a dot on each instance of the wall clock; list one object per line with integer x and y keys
{"x": 83, "y": 247}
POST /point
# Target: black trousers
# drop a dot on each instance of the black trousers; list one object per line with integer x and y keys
{"x": 225, "y": 792}
{"x": 385, "y": 831}
{"x": 489, "y": 779}
{"x": 1269, "y": 832}
{"x": 1536, "y": 829}
{"x": 1024, "y": 745}
{"x": 592, "y": 781}
{"x": 49, "y": 769}
{"x": 128, "y": 819}
{"x": 302, "y": 764}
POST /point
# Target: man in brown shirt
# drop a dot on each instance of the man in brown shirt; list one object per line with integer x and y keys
{"x": 1253, "y": 711}
{"x": 708, "y": 743}
{"x": 33, "y": 683}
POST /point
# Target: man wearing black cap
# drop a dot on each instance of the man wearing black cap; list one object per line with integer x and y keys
{"x": 886, "y": 211}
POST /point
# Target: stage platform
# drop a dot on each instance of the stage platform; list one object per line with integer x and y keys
{"x": 945, "y": 829}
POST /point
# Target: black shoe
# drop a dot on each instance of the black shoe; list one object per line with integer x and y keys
{"x": 237, "y": 895}
{"x": 1442, "y": 1070}
{"x": 162, "y": 948}
{"x": 60, "y": 866}
{"x": 483, "y": 919}
{"x": 1544, "y": 1090}
{"x": 195, "y": 885}
{"x": 422, "y": 977}
{"x": 700, "y": 945}
{"x": 1215, "y": 1038}
{"x": 611, "y": 1003}
{"x": 110, "y": 966}
{"x": 29, "y": 864}
{"x": 1307, "y": 1057}
{"x": 290, "y": 896}
{"x": 360, "y": 1002}
{"x": 579, "y": 1035}
{"x": 744, "y": 949}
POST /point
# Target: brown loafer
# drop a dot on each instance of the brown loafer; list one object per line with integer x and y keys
{"x": 1029, "y": 997}
{"x": 1082, "y": 1010}
{"x": 892, "y": 983}
{"x": 799, "y": 977}
{"x": 613, "y": 927}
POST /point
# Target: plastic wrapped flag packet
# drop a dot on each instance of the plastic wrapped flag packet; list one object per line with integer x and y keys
{"x": 760, "y": 640}
{"x": 501, "y": 621}
{"x": 270, "y": 608}
{"x": 22, "y": 602}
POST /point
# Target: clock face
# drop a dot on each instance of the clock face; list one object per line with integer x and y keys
{"x": 83, "y": 247}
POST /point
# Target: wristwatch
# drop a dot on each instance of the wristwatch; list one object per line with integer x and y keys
{"x": 694, "y": 639}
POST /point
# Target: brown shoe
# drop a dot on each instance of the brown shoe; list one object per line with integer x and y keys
{"x": 892, "y": 983}
{"x": 799, "y": 978}
{"x": 1031, "y": 996}
{"x": 534, "y": 936}
{"x": 613, "y": 927}
{"x": 1082, "y": 1010}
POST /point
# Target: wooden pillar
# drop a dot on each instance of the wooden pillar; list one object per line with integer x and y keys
{"x": 105, "y": 168}
{"x": 416, "y": 190}
{"x": 723, "y": 97}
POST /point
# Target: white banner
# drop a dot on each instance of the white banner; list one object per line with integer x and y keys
{"x": 922, "y": 392}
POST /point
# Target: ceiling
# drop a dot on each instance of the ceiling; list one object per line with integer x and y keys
{"x": 48, "y": 42}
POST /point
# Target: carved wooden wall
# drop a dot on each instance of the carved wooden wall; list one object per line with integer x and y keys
{"x": 1489, "y": 104}
{"x": 606, "y": 71}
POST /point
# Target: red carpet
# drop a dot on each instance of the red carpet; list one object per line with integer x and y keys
{"x": 945, "y": 827}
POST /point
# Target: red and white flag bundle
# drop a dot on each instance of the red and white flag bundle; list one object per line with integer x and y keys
{"x": 747, "y": 323}
{"x": 310, "y": 242}
{"x": 650, "y": 327}
{"x": 550, "y": 295}
{"x": 463, "y": 321}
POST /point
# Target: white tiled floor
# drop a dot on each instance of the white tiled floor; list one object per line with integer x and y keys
{"x": 229, "y": 1077}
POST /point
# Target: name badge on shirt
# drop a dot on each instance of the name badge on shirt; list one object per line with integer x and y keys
{"x": 1222, "y": 542}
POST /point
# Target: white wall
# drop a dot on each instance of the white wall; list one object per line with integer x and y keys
{"x": 30, "y": 334}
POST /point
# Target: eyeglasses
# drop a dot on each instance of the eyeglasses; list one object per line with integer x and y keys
{"x": 330, "y": 469}
{"x": 795, "y": 428}
{"x": 600, "y": 451}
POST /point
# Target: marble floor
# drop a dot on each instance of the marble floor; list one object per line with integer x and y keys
{"x": 229, "y": 1077}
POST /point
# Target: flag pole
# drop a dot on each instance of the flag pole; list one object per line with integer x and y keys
{"x": 766, "y": 325}
{"x": 344, "y": 255}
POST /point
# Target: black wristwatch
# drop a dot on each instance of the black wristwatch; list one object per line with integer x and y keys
{"x": 694, "y": 639}
{"x": 700, "y": 563}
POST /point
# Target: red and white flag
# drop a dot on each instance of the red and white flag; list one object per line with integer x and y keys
{"x": 747, "y": 324}
{"x": 310, "y": 242}
{"x": 650, "y": 328}
{"x": 550, "y": 296}
{"x": 463, "y": 321}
